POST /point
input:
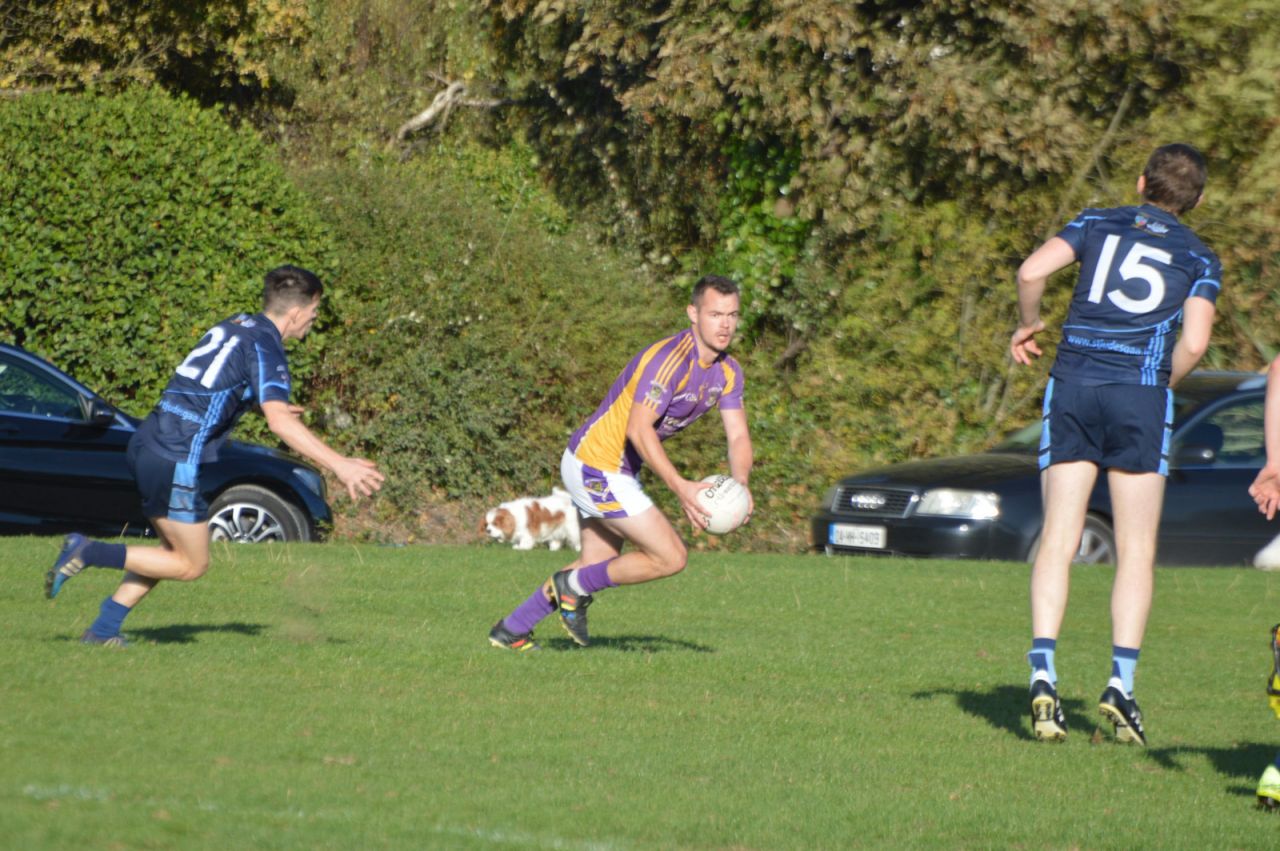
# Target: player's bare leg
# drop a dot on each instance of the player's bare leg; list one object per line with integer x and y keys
{"x": 1065, "y": 489}
{"x": 599, "y": 543}
{"x": 1136, "y": 500}
{"x": 658, "y": 550}
{"x": 183, "y": 554}
{"x": 184, "y": 557}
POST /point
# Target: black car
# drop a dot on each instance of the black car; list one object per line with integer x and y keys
{"x": 988, "y": 506}
{"x": 62, "y": 468}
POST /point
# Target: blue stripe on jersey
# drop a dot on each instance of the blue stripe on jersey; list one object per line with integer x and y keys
{"x": 1044, "y": 429}
{"x": 210, "y": 420}
{"x": 1168, "y": 431}
{"x": 1078, "y": 221}
{"x": 169, "y": 407}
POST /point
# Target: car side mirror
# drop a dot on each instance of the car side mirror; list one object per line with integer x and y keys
{"x": 100, "y": 413}
{"x": 1194, "y": 455}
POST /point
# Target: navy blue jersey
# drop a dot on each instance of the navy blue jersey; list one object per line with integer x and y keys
{"x": 1138, "y": 265}
{"x": 238, "y": 363}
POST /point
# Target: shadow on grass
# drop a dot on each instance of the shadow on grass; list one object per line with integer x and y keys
{"x": 184, "y": 633}
{"x": 631, "y": 644}
{"x": 1006, "y": 708}
{"x": 1241, "y": 761}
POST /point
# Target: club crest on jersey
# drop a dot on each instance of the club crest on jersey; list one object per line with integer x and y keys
{"x": 1141, "y": 222}
{"x": 656, "y": 390}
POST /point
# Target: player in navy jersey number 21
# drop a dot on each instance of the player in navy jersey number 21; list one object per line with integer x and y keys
{"x": 1144, "y": 277}
{"x": 240, "y": 362}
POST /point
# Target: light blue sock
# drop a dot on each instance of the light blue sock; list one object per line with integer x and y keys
{"x": 1124, "y": 660}
{"x": 1041, "y": 658}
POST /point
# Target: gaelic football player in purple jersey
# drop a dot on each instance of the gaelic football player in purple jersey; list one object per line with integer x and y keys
{"x": 239, "y": 363}
{"x": 662, "y": 391}
{"x": 1139, "y": 321}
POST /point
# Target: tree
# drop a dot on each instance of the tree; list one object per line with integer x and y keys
{"x": 215, "y": 49}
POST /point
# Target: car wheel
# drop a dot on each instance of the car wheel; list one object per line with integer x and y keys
{"x": 1097, "y": 543}
{"x": 249, "y": 514}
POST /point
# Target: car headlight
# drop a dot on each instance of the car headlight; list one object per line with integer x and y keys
{"x": 951, "y": 502}
{"x": 829, "y": 498}
{"x": 311, "y": 480}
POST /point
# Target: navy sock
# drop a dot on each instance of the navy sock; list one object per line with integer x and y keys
{"x": 101, "y": 554}
{"x": 110, "y": 616}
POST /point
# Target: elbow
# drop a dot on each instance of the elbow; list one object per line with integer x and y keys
{"x": 1196, "y": 348}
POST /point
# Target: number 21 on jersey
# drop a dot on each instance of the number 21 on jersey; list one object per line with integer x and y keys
{"x": 1133, "y": 267}
{"x": 191, "y": 367}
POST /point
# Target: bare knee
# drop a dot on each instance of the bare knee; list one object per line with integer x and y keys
{"x": 671, "y": 562}
{"x": 193, "y": 570}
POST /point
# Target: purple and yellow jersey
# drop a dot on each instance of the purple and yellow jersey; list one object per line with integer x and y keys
{"x": 668, "y": 378}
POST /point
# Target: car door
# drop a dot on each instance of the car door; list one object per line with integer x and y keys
{"x": 58, "y": 469}
{"x": 1209, "y": 517}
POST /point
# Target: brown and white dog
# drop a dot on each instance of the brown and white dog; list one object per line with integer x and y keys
{"x": 529, "y": 520}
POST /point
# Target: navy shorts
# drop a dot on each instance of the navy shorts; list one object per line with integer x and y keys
{"x": 168, "y": 488}
{"x": 1116, "y": 426}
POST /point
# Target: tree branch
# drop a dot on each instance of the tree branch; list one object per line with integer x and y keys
{"x": 442, "y": 104}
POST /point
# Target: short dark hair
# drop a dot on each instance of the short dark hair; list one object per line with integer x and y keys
{"x": 719, "y": 283}
{"x": 1175, "y": 177}
{"x": 287, "y": 287}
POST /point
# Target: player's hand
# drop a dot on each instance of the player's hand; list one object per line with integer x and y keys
{"x": 1023, "y": 343}
{"x": 359, "y": 476}
{"x": 751, "y": 503}
{"x": 688, "y": 492}
{"x": 1265, "y": 490}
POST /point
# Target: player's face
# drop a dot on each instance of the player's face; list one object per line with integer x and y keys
{"x": 715, "y": 319}
{"x": 302, "y": 320}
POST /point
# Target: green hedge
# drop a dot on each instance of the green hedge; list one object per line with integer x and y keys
{"x": 132, "y": 223}
{"x": 475, "y": 332}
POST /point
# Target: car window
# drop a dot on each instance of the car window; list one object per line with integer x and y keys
{"x": 1233, "y": 432}
{"x": 26, "y": 391}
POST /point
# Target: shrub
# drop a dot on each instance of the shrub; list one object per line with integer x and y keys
{"x": 134, "y": 222}
{"x": 476, "y": 333}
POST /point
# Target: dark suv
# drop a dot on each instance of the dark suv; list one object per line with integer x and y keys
{"x": 62, "y": 468}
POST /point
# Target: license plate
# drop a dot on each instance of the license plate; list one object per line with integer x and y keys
{"x": 865, "y": 537}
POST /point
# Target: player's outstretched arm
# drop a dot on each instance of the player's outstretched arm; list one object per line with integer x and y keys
{"x": 359, "y": 476}
{"x": 644, "y": 437}
{"x": 1033, "y": 275}
{"x": 1193, "y": 342}
{"x": 741, "y": 452}
{"x": 1265, "y": 489}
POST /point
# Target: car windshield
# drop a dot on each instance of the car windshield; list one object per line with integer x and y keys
{"x": 1026, "y": 440}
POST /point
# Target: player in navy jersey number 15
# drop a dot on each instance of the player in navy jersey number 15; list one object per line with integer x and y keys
{"x": 1139, "y": 321}
{"x": 240, "y": 362}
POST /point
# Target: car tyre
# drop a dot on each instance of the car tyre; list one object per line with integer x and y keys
{"x": 251, "y": 514}
{"x": 1097, "y": 543}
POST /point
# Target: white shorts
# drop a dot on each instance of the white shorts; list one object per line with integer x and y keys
{"x": 603, "y": 495}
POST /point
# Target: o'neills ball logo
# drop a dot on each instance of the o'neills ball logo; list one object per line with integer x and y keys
{"x": 715, "y": 486}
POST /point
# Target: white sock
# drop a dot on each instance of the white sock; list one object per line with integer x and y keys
{"x": 574, "y": 584}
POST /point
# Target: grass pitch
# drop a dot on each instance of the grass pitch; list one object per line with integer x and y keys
{"x": 339, "y": 696}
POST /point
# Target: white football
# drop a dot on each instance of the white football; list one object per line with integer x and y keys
{"x": 726, "y": 503}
